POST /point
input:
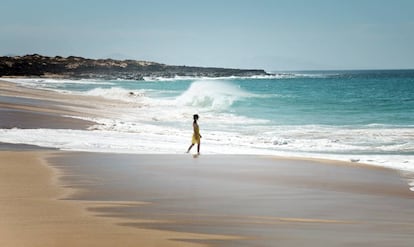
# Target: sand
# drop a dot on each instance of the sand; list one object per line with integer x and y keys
{"x": 51, "y": 106}
{"x": 264, "y": 200}
{"x": 27, "y": 108}
{"x": 31, "y": 213}
{"x": 54, "y": 198}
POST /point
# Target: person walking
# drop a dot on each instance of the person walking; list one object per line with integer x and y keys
{"x": 196, "y": 135}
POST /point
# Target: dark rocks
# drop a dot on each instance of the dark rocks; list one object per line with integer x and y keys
{"x": 79, "y": 67}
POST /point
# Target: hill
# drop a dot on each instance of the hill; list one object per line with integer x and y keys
{"x": 79, "y": 67}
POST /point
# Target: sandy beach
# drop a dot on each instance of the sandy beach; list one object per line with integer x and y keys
{"x": 60, "y": 198}
{"x": 263, "y": 200}
{"x": 53, "y": 198}
{"x": 33, "y": 212}
{"x": 48, "y": 109}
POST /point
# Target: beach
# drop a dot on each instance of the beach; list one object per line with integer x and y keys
{"x": 34, "y": 212}
{"x": 34, "y": 206}
{"x": 53, "y": 197}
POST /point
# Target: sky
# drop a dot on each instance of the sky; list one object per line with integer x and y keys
{"x": 274, "y": 35}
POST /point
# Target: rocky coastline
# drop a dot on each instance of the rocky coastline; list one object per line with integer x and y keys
{"x": 110, "y": 69}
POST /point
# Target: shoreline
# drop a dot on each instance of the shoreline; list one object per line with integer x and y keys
{"x": 28, "y": 108}
{"x": 52, "y": 110}
{"x": 108, "y": 115}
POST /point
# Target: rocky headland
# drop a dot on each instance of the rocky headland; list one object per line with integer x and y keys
{"x": 81, "y": 68}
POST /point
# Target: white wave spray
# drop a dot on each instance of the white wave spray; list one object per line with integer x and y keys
{"x": 211, "y": 95}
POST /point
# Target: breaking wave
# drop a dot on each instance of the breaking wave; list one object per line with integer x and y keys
{"x": 213, "y": 95}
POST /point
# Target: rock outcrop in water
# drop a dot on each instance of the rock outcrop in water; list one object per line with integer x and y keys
{"x": 79, "y": 67}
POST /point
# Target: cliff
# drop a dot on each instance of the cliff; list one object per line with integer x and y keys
{"x": 79, "y": 67}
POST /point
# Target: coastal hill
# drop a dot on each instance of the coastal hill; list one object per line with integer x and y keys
{"x": 79, "y": 67}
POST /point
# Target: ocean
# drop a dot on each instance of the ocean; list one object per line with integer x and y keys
{"x": 358, "y": 116}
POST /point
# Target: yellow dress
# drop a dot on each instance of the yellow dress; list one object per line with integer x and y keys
{"x": 196, "y": 134}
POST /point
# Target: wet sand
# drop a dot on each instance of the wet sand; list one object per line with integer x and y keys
{"x": 33, "y": 212}
{"x": 24, "y": 119}
{"x": 34, "y": 108}
{"x": 264, "y": 200}
{"x": 27, "y": 108}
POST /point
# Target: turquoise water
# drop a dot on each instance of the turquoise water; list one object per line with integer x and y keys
{"x": 366, "y": 116}
{"x": 342, "y": 99}
{"x": 331, "y": 98}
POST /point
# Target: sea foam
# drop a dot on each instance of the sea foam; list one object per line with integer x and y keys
{"x": 211, "y": 95}
{"x": 116, "y": 93}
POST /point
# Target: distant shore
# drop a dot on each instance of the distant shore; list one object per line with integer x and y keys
{"x": 109, "y": 69}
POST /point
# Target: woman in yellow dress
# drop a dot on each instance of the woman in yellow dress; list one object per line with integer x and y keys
{"x": 196, "y": 135}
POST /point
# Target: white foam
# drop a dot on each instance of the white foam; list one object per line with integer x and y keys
{"x": 46, "y": 82}
{"x": 271, "y": 75}
{"x": 213, "y": 95}
{"x": 116, "y": 93}
{"x": 253, "y": 133}
{"x": 158, "y": 139}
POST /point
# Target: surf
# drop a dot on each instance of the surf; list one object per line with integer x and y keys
{"x": 212, "y": 95}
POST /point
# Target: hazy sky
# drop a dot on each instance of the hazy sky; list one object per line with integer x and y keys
{"x": 274, "y": 35}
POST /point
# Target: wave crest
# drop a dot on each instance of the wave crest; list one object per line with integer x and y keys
{"x": 211, "y": 95}
{"x": 116, "y": 93}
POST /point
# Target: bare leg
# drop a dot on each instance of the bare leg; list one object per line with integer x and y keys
{"x": 189, "y": 148}
{"x": 198, "y": 148}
